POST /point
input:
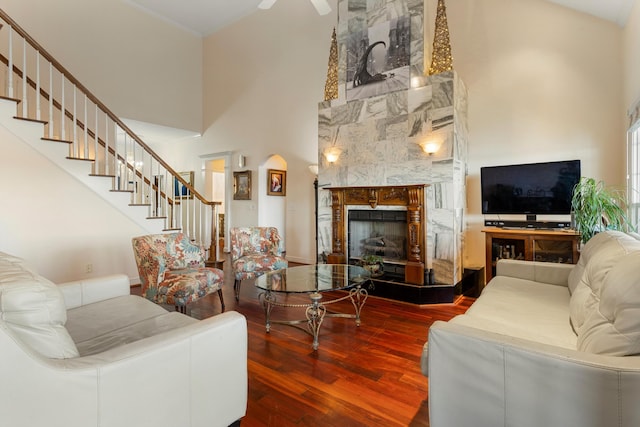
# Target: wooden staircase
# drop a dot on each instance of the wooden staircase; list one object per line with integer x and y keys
{"x": 50, "y": 110}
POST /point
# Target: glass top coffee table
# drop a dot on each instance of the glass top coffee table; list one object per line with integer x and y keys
{"x": 313, "y": 280}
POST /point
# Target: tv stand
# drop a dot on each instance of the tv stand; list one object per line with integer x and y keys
{"x": 529, "y": 244}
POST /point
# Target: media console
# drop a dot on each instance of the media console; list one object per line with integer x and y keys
{"x": 530, "y": 245}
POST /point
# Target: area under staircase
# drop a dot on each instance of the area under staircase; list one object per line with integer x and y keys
{"x": 49, "y": 109}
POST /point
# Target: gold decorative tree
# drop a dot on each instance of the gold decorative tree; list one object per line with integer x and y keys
{"x": 441, "y": 59}
{"x": 331, "y": 85}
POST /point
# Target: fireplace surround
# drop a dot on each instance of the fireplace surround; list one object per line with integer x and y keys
{"x": 409, "y": 197}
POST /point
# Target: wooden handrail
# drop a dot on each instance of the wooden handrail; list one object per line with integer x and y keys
{"x": 43, "y": 52}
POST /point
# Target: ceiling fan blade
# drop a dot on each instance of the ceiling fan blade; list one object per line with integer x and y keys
{"x": 266, "y": 4}
{"x": 322, "y": 6}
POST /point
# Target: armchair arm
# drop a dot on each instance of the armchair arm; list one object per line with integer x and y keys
{"x": 504, "y": 380}
{"x": 544, "y": 272}
{"x": 191, "y": 376}
{"x": 87, "y": 291}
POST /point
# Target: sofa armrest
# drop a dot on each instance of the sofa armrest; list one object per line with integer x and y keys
{"x": 87, "y": 291}
{"x": 482, "y": 378}
{"x": 544, "y": 272}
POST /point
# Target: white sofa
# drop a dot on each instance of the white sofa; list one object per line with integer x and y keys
{"x": 544, "y": 345}
{"x": 88, "y": 353}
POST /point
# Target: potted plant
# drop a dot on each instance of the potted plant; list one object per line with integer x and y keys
{"x": 373, "y": 263}
{"x": 596, "y": 208}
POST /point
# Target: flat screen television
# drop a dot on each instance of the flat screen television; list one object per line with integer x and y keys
{"x": 532, "y": 188}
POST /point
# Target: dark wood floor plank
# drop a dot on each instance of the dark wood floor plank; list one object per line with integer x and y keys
{"x": 359, "y": 377}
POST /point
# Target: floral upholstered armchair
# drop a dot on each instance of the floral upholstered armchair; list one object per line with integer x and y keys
{"x": 255, "y": 251}
{"x": 172, "y": 270}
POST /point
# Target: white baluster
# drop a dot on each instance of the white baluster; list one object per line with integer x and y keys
{"x": 96, "y": 137}
{"x": 38, "y": 85}
{"x": 73, "y": 120}
{"x": 50, "y": 133}
{"x": 25, "y": 104}
{"x": 107, "y": 159}
{"x": 10, "y": 81}
{"x": 85, "y": 151}
{"x": 63, "y": 109}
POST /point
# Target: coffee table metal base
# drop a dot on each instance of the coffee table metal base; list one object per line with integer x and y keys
{"x": 315, "y": 312}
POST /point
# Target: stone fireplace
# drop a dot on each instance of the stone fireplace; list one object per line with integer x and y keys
{"x": 378, "y": 141}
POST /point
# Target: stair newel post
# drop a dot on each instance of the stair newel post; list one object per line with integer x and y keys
{"x": 10, "y": 79}
{"x": 25, "y": 102}
{"x": 213, "y": 249}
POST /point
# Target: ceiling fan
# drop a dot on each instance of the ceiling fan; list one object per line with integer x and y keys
{"x": 322, "y": 6}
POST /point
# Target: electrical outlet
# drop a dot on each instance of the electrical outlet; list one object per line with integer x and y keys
{"x": 88, "y": 268}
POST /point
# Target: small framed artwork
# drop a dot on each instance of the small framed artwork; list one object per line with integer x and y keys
{"x": 242, "y": 185}
{"x": 277, "y": 180}
{"x": 181, "y": 191}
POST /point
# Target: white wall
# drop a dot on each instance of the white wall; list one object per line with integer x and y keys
{"x": 632, "y": 58}
{"x": 263, "y": 79}
{"x": 544, "y": 82}
{"x": 140, "y": 67}
{"x": 56, "y": 223}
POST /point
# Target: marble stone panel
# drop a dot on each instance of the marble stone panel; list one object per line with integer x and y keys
{"x": 397, "y": 127}
{"x": 441, "y": 220}
{"x": 411, "y": 172}
{"x": 418, "y": 125}
{"x": 375, "y": 107}
{"x": 347, "y": 113}
{"x": 419, "y": 99}
{"x": 381, "y": 128}
{"x": 443, "y": 94}
{"x": 442, "y": 171}
{"x": 361, "y": 132}
{"x": 368, "y": 153}
{"x": 357, "y": 7}
{"x": 376, "y": 12}
{"x": 441, "y": 117}
{"x": 398, "y": 103}
{"x": 396, "y": 9}
{"x": 395, "y": 151}
{"x": 444, "y": 247}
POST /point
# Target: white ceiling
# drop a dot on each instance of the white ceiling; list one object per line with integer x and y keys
{"x": 204, "y": 17}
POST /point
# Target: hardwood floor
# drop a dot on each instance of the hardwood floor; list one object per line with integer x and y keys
{"x": 360, "y": 376}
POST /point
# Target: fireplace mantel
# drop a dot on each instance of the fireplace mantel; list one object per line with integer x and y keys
{"x": 410, "y": 196}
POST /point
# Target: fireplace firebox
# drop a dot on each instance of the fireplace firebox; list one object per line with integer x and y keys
{"x": 377, "y": 232}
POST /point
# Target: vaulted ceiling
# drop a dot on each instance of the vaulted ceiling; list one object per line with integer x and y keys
{"x": 205, "y": 17}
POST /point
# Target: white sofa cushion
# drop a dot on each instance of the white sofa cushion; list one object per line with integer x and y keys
{"x": 612, "y": 326}
{"x": 114, "y": 322}
{"x": 598, "y": 256}
{"x": 33, "y": 309}
{"x": 522, "y": 308}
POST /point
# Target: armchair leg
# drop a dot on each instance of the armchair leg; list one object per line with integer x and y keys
{"x": 236, "y": 288}
{"x": 221, "y": 299}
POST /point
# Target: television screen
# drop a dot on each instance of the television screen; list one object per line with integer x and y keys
{"x": 534, "y": 188}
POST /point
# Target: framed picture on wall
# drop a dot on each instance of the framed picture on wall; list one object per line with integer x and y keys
{"x": 277, "y": 181}
{"x": 242, "y": 185}
{"x": 181, "y": 191}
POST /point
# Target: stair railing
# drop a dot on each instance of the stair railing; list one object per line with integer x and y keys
{"x": 46, "y": 92}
